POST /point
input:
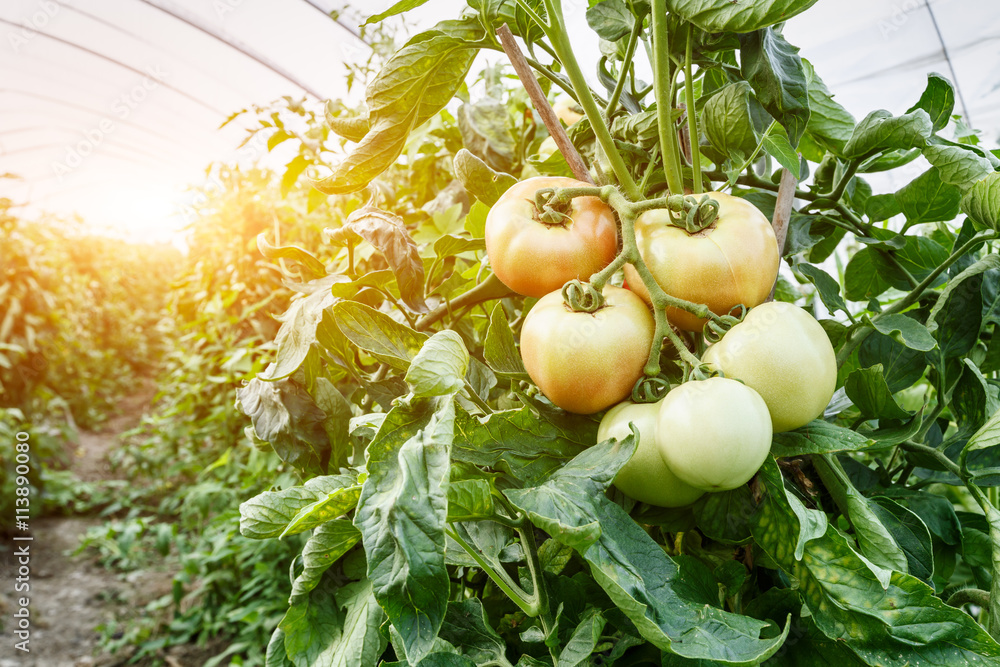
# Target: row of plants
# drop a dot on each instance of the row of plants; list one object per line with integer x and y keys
{"x": 825, "y": 466}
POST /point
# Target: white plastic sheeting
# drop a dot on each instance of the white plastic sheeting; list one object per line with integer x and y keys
{"x": 110, "y": 107}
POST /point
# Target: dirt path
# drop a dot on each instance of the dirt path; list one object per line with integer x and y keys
{"x": 70, "y": 596}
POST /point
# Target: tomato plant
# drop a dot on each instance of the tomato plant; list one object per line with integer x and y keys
{"x": 585, "y": 362}
{"x": 783, "y": 353}
{"x": 534, "y": 255}
{"x": 446, "y": 427}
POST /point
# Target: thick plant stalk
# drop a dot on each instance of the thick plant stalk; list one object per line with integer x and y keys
{"x": 542, "y": 106}
{"x": 782, "y": 214}
{"x": 664, "y": 102}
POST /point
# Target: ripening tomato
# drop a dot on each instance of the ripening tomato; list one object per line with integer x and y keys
{"x": 534, "y": 258}
{"x": 566, "y": 110}
{"x": 646, "y": 477}
{"x": 733, "y": 261}
{"x": 714, "y": 434}
{"x": 783, "y": 353}
{"x": 586, "y": 362}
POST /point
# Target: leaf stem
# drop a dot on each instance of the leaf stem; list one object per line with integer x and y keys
{"x": 662, "y": 85}
{"x": 488, "y": 290}
{"x": 692, "y": 115}
{"x": 477, "y": 399}
{"x": 559, "y": 38}
{"x": 500, "y": 577}
{"x": 633, "y": 41}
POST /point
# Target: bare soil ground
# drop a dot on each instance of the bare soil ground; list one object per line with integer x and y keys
{"x": 71, "y": 596}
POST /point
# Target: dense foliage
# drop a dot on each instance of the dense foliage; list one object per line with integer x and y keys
{"x": 456, "y": 516}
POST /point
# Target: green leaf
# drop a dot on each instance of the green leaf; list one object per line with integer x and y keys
{"x": 937, "y": 513}
{"x": 812, "y": 524}
{"x": 905, "y": 330}
{"x": 398, "y": 8}
{"x": 819, "y": 437}
{"x": 440, "y": 366}
{"x": 610, "y": 19}
{"x": 874, "y": 539}
{"x": 466, "y": 626}
{"x": 334, "y": 626}
{"x": 293, "y": 170}
{"x": 310, "y": 267}
{"x": 523, "y": 443}
{"x": 583, "y": 641}
{"x": 726, "y": 120}
{"x": 957, "y": 314}
{"x": 826, "y": 286}
{"x": 450, "y": 245}
{"x": 987, "y": 437}
{"x": 635, "y": 572}
{"x": 902, "y": 366}
{"x": 353, "y": 128}
{"x": 500, "y": 350}
{"x": 327, "y": 544}
{"x": 938, "y": 100}
{"x": 775, "y": 71}
{"x": 861, "y": 280}
{"x": 778, "y": 147}
{"x": 335, "y": 504}
{"x": 867, "y": 388}
{"x": 387, "y": 233}
{"x": 268, "y": 514}
{"x": 904, "y": 623}
{"x": 728, "y": 16}
{"x": 910, "y": 533}
{"x": 337, "y": 422}
{"x": 276, "y": 656}
{"x": 890, "y": 160}
{"x": 285, "y": 416}
{"x": 830, "y": 124}
{"x": 469, "y": 499}
{"x": 299, "y": 327}
{"x": 982, "y": 202}
{"x": 927, "y": 198}
{"x": 882, "y": 207}
{"x": 413, "y": 85}
{"x": 479, "y": 179}
{"x": 483, "y": 126}
{"x": 881, "y": 131}
{"x": 919, "y": 256}
{"x": 386, "y": 339}
{"x": 475, "y": 220}
{"x": 958, "y": 165}
{"x": 725, "y": 516}
{"x": 401, "y": 516}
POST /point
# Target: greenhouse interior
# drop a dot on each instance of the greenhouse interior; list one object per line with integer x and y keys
{"x": 499, "y": 333}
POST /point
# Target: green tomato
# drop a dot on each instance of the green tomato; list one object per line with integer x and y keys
{"x": 714, "y": 434}
{"x": 784, "y": 354}
{"x": 646, "y": 477}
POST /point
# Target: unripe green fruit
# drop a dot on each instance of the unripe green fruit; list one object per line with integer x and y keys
{"x": 646, "y": 477}
{"x": 713, "y": 434}
{"x": 783, "y": 353}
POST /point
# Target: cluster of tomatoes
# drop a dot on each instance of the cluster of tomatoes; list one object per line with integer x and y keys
{"x": 777, "y": 367}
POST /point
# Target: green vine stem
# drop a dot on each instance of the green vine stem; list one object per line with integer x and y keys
{"x": 633, "y": 41}
{"x": 556, "y": 31}
{"x": 488, "y": 290}
{"x": 527, "y": 603}
{"x": 627, "y": 213}
{"x": 663, "y": 90}
{"x": 692, "y": 115}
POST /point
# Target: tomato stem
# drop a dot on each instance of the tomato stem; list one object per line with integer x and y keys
{"x": 662, "y": 87}
{"x": 633, "y": 41}
{"x": 692, "y": 115}
{"x": 557, "y": 34}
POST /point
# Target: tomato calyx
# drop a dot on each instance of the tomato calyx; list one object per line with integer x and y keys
{"x": 690, "y": 213}
{"x": 716, "y": 328}
{"x": 650, "y": 389}
{"x": 581, "y": 297}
